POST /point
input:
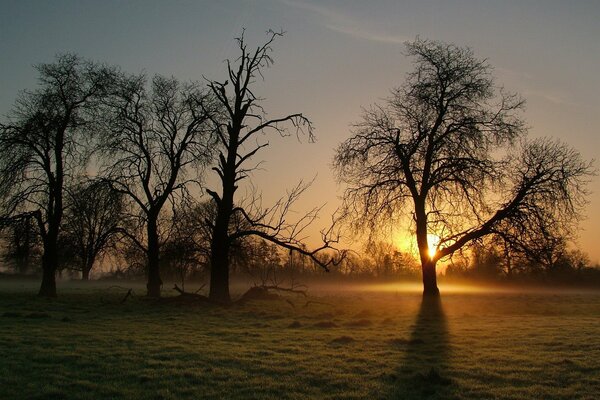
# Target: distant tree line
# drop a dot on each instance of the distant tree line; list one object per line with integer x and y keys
{"x": 494, "y": 261}
{"x": 185, "y": 258}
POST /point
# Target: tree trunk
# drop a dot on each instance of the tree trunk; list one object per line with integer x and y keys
{"x": 154, "y": 282}
{"x": 219, "y": 276}
{"x": 49, "y": 263}
{"x": 85, "y": 273}
{"x": 427, "y": 263}
{"x": 219, "y": 246}
{"x": 55, "y": 213}
{"x": 430, "y": 279}
{"x": 88, "y": 264}
{"x": 219, "y": 264}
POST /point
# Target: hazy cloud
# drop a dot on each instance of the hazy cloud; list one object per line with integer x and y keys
{"x": 522, "y": 79}
{"x": 337, "y": 21}
{"x": 552, "y": 96}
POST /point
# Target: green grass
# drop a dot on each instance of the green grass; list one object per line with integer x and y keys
{"x": 349, "y": 345}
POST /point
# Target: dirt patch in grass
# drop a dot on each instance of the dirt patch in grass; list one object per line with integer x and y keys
{"x": 432, "y": 377}
{"x": 342, "y": 340}
{"x": 325, "y": 324}
{"x": 325, "y": 315}
{"x": 403, "y": 341}
{"x": 365, "y": 313}
{"x": 430, "y": 384}
{"x": 11, "y": 314}
{"x": 295, "y": 324}
{"x": 359, "y": 323}
{"x": 37, "y": 315}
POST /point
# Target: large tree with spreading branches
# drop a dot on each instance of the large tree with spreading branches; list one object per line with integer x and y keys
{"x": 156, "y": 141}
{"x": 448, "y": 152}
{"x": 42, "y": 148}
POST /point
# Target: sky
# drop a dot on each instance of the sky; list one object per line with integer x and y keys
{"x": 335, "y": 57}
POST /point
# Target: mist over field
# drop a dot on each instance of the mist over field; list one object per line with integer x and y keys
{"x": 353, "y": 343}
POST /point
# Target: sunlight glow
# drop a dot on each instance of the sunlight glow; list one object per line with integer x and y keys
{"x": 445, "y": 287}
{"x": 432, "y": 243}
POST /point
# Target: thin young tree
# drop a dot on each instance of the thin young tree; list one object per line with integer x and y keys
{"x": 448, "y": 152}
{"x": 157, "y": 141}
{"x": 42, "y": 144}
{"x": 238, "y": 128}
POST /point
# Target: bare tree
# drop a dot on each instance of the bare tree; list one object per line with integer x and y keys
{"x": 92, "y": 222}
{"x": 185, "y": 248}
{"x": 242, "y": 121}
{"x": 448, "y": 151}
{"x": 41, "y": 148}
{"x": 21, "y": 243}
{"x": 157, "y": 141}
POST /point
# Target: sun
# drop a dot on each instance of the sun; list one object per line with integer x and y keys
{"x": 432, "y": 243}
{"x": 407, "y": 243}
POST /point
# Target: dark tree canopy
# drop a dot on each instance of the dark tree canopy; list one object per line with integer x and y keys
{"x": 21, "y": 244}
{"x": 156, "y": 142}
{"x": 93, "y": 220}
{"x": 448, "y": 153}
{"x": 42, "y": 147}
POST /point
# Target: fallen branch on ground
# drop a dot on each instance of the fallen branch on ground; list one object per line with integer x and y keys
{"x": 262, "y": 292}
{"x": 282, "y": 289}
{"x": 123, "y": 300}
{"x": 195, "y": 295}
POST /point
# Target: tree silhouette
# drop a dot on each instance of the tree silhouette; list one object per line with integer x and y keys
{"x": 155, "y": 144}
{"x": 92, "y": 222}
{"x": 185, "y": 248}
{"x": 41, "y": 148}
{"x": 448, "y": 151}
{"x": 241, "y": 122}
{"x": 22, "y": 243}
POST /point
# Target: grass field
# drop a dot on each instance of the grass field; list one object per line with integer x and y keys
{"x": 352, "y": 344}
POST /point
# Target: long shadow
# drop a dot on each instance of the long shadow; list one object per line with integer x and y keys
{"x": 424, "y": 371}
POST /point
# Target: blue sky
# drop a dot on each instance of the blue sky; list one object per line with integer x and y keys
{"x": 336, "y": 57}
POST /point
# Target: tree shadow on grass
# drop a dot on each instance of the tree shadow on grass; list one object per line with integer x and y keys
{"x": 424, "y": 371}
